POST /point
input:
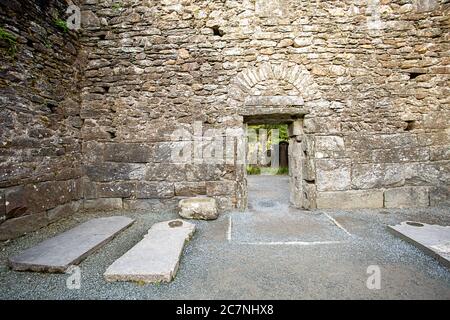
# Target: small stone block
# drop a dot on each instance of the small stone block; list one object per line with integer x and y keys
{"x": 202, "y": 208}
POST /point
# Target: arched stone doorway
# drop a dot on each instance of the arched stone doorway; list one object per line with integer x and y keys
{"x": 279, "y": 93}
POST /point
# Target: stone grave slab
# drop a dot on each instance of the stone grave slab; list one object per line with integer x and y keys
{"x": 432, "y": 239}
{"x": 71, "y": 247}
{"x": 156, "y": 257}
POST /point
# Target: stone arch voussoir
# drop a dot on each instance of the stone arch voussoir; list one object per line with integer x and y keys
{"x": 297, "y": 75}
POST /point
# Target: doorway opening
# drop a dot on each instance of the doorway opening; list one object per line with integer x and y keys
{"x": 275, "y": 162}
{"x": 267, "y": 166}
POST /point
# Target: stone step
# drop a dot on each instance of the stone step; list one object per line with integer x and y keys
{"x": 434, "y": 240}
{"x": 71, "y": 247}
{"x": 156, "y": 257}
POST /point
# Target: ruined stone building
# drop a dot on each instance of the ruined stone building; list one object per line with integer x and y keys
{"x": 87, "y": 116}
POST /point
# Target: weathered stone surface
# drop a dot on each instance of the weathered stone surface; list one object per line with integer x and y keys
{"x": 296, "y": 129}
{"x": 202, "y": 208}
{"x": 145, "y": 190}
{"x": 440, "y": 196}
{"x": 432, "y": 239}
{"x": 440, "y": 153}
{"x": 56, "y": 193}
{"x": 302, "y": 42}
{"x": 426, "y": 5}
{"x": 352, "y": 199}
{"x": 167, "y": 172}
{"x": 15, "y": 227}
{"x": 156, "y": 257}
{"x": 71, "y": 247}
{"x": 271, "y": 8}
{"x": 40, "y": 108}
{"x": 274, "y": 101}
{"x": 333, "y": 175}
{"x": 367, "y": 176}
{"x": 89, "y": 19}
{"x": 116, "y": 171}
{"x": 183, "y": 54}
{"x": 153, "y": 205}
{"x": 394, "y": 155}
{"x": 64, "y": 210}
{"x": 115, "y": 189}
{"x": 103, "y": 204}
{"x": 329, "y": 147}
{"x": 15, "y": 202}
{"x": 322, "y": 125}
{"x": 219, "y": 188}
{"x": 361, "y": 141}
{"x": 285, "y": 43}
{"x": 2, "y": 205}
{"x": 190, "y": 189}
{"x": 407, "y": 197}
{"x": 225, "y": 203}
{"x": 136, "y": 74}
{"x": 128, "y": 152}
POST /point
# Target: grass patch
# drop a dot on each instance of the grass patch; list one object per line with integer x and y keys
{"x": 117, "y": 6}
{"x": 11, "y": 40}
{"x": 251, "y": 170}
{"x": 281, "y": 171}
{"x": 47, "y": 44}
{"x": 61, "y": 24}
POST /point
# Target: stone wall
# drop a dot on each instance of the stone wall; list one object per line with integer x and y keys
{"x": 371, "y": 76}
{"x": 40, "y": 147}
{"x": 153, "y": 68}
{"x": 367, "y": 80}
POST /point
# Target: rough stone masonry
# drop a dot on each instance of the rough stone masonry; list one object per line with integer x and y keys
{"x": 87, "y": 116}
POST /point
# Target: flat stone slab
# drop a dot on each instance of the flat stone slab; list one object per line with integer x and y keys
{"x": 71, "y": 247}
{"x": 264, "y": 226}
{"x": 432, "y": 239}
{"x": 156, "y": 257}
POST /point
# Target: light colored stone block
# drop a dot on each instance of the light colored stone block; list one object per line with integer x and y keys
{"x": 271, "y": 8}
{"x": 219, "y": 188}
{"x": 295, "y": 128}
{"x": 274, "y": 101}
{"x": 156, "y": 257}
{"x": 103, "y": 204}
{"x": 329, "y": 147}
{"x": 330, "y": 143}
{"x": 333, "y": 175}
{"x": 432, "y": 239}
{"x": 352, "y": 199}
{"x": 202, "y": 208}
{"x": 58, "y": 253}
{"x": 426, "y": 5}
{"x": 407, "y": 197}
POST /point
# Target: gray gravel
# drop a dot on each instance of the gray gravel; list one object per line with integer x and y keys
{"x": 214, "y": 268}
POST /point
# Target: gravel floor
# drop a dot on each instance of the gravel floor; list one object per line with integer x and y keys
{"x": 216, "y": 267}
